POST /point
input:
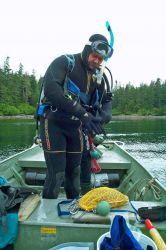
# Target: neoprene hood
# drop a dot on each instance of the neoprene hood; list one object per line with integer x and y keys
{"x": 88, "y": 48}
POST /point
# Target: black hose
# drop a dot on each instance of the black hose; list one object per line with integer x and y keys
{"x": 111, "y": 79}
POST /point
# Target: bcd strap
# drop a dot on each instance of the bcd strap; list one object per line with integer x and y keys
{"x": 72, "y": 207}
{"x": 60, "y": 211}
{"x": 71, "y": 91}
{"x": 71, "y": 63}
{"x": 41, "y": 107}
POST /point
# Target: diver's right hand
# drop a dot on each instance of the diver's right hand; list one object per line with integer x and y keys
{"x": 91, "y": 123}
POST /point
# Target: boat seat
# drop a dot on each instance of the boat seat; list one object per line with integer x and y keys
{"x": 112, "y": 159}
{"x": 33, "y": 161}
{"x": 108, "y": 160}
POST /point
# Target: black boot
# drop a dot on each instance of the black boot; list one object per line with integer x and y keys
{"x": 85, "y": 187}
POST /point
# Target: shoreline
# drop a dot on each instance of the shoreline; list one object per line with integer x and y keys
{"x": 5, "y": 117}
{"x": 114, "y": 117}
{"x": 138, "y": 117}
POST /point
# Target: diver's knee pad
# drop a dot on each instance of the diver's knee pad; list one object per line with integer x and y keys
{"x": 72, "y": 183}
{"x": 59, "y": 180}
{"x": 52, "y": 191}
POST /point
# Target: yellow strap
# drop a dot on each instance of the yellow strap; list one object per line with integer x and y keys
{"x": 88, "y": 82}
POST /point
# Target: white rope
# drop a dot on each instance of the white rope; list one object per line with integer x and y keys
{"x": 150, "y": 185}
{"x": 155, "y": 189}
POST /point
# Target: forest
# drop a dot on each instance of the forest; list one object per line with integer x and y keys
{"x": 19, "y": 93}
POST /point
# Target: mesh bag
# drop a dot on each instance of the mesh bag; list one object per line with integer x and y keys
{"x": 90, "y": 200}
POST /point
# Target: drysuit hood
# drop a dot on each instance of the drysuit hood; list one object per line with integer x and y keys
{"x": 88, "y": 48}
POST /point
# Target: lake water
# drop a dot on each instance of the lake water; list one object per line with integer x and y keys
{"x": 145, "y": 139}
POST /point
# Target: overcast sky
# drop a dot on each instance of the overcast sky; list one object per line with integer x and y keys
{"x": 34, "y": 32}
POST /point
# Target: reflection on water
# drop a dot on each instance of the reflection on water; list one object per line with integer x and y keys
{"x": 144, "y": 139}
{"x": 15, "y": 136}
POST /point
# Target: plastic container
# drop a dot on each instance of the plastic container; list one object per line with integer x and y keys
{"x": 141, "y": 238}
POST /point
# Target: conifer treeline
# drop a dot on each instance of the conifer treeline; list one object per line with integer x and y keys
{"x": 19, "y": 93}
{"x": 143, "y": 100}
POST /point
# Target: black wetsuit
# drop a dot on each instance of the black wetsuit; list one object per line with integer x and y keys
{"x": 61, "y": 128}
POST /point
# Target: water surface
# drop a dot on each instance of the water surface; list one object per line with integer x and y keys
{"x": 145, "y": 139}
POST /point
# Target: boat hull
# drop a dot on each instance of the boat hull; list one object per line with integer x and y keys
{"x": 44, "y": 228}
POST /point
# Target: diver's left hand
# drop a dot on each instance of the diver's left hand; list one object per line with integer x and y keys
{"x": 105, "y": 117}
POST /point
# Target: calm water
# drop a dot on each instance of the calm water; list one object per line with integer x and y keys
{"x": 145, "y": 139}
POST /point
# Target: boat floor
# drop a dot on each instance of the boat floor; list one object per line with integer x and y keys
{"x": 50, "y": 229}
{"x": 47, "y": 214}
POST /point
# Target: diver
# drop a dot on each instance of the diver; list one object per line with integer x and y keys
{"x": 100, "y": 107}
{"x": 72, "y": 95}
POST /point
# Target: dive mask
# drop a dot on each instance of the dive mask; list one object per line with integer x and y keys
{"x": 102, "y": 48}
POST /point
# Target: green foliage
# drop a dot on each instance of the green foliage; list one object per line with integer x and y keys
{"x": 144, "y": 111}
{"x": 142, "y": 100}
{"x": 116, "y": 112}
{"x": 26, "y": 109}
{"x": 6, "y": 109}
{"x": 19, "y": 94}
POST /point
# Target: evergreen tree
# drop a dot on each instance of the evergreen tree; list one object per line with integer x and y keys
{"x": 19, "y": 93}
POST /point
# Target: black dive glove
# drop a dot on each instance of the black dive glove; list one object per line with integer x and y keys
{"x": 105, "y": 117}
{"x": 91, "y": 123}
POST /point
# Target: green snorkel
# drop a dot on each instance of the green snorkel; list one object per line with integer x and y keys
{"x": 101, "y": 72}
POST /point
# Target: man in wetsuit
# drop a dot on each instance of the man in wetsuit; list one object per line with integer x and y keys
{"x": 69, "y": 88}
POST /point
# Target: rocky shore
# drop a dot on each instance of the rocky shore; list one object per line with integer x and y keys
{"x": 120, "y": 117}
{"x": 16, "y": 117}
{"x": 138, "y": 117}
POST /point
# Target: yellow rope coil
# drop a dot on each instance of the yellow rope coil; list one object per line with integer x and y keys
{"x": 90, "y": 200}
